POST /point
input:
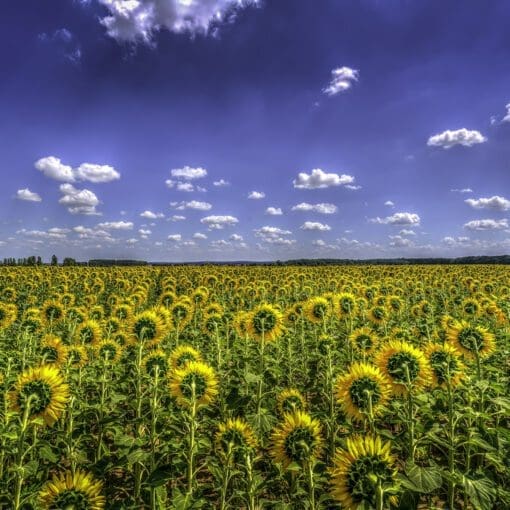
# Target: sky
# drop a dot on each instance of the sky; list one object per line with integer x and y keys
{"x": 192, "y": 130}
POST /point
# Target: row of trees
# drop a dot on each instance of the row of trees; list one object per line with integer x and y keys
{"x": 37, "y": 261}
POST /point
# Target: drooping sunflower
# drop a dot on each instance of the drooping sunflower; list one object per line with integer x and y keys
{"x": 89, "y": 332}
{"x": 184, "y": 354}
{"x": 195, "y": 380}
{"x": 445, "y": 364}
{"x": 52, "y": 312}
{"x": 44, "y": 390}
{"x": 317, "y": 309}
{"x": 168, "y": 298}
{"x": 470, "y": 339}
{"x": 77, "y": 492}
{"x": 76, "y": 356}
{"x": 123, "y": 312}
{"x": 357, "y": 471}
{"x": 470, "y": 307}
{"x": 364, "y": 340}
{"x": 239, "y": 323}
{"x": 182, "y": 313}
{"x": 265, "y": 322}
{"x": 298, "y": 439}
{"x": 346, "y": 304}
{"x": 211, "y": 324}
{"x": 290, "y": 401}
{"x": 364, "y": 389}
{"x": 109, "y": 351}
{"x": 53, "y": 350}
{"x": 156, "y": 360}
{"x": 378, "y": 314}
{"x": 6, "y": 316}
{"x": 147, "y": 326}
{"x": 235, "y": 437}
{"x": 404, "y": 365}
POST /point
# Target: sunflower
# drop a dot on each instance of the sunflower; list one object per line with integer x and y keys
{"x": 183, "y": 354}
{"x": 147, "y": 326}
{"x": 7, "y": 317}
{"x": 346, "y": 304}
{"x": 53, "y": 350}
{"x": 239, "y": 323}
{"x": 363, "y": 340}
{"x": 76, "y": 314}
{"x": 362, "y": 391}
{"x": 156, "y": 360}
{"x": 52, "y": 312}
{"x": 445, "y": 364}
{"x": 122, "y": 311}
{"x": 378, "y": 314}
{"x": 290, "y": 401}
{"x": 265, "y": 322}
{"x": 182, "y": 312}
{"x": 214, "y": 308}
{"x": 317, "y": 309}
{"x": 67, "y": 491}
{"x": 111, "y": 325}
{"x": 471, "y": 339}
{"x": 403, "y": 365}
{"x": 108, "y": 351}
{"x": 298, "y": 439}
{"x": 195, "y": 380}
{"x": 89, "y": 332}
{"x": 42, "y": 388}
{"x": 471, "y": 307}
{"x": 235, "y": 436}
{"x": 77, "y": 356}
{"x": 359, "y": 469}
{"x": 212, "y": 324}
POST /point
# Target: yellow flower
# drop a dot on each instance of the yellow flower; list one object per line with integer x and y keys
{"x": 196, "y": 380}
{"x": 156, "y": 360}
{"x": 234, "y": 437}
{"x": 89, "y": 332}
{"x": 184, "y": 354}
{"x": 53, "y": 350}
{"x": 317, "y": 309}
{"x": 67, "y": 491}
{"x": 77, "y": 356}
{"x": 470, "y": 339}
{"x": 445, "y": 364}
{"x": 265, "y": 322}
{"x": 378, "y": 314}
{"x": 358, "y": 470}
{"x": 147, "y": 326}
{"x": 345, "y": 304}
{"x": 52, "y": 312}
{"x": 404, "y": 366}
{"x": 44, "y": 390}
{"x": 298, "y": 439}
{"x": 108, "y": 351}
{"x": 363, "y": 390}
{"x": 290, "y": 401}
{"x": 363, "y": 340}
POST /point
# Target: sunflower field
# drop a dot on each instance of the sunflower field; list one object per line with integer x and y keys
{"x": 253, "y": 387}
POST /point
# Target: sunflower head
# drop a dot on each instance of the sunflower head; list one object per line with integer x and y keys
{"x": 234, "y": 438}
{"x": 378, "y": 314}
{"x": 66, "y": 491}
{"x": 290, "y": 401}
{"x": 147, "y": 326}
{"x": 359, "y": 468}
{"x": 182, "y": 313}
{"x": 265, "y": 322}
{"x": 212, "y": 324}
{"x": 53, "y": 350}
{"x": 445, "y": 364}
{"x": 470, "y": 307}
{"x": 298, "y": 439}
{"x": 52, "y": 312}
{"x": 317, "y": 309}
{"x": 89, "y": 332}
{"x": 42, "y": 391}
{"x": 471, "y": 339}
{"x": 156, "y": 362}
{"x": 77, "y": 356}
{"x": 346, "y": 304}
{"x": 196, "y": 381}
{"x": 363, "y": 340}
{"x": 363, "y": 391}
{"x": 404, "y": 365}
{"x": 108, "y": 351}
{"x": 183, "y": 354}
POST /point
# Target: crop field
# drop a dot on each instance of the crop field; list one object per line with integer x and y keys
{"x": 334, "y": 387}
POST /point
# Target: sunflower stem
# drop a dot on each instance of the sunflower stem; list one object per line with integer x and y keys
{"x": 451, "y": 449}
{"x": 20, "y": 455}
{"x": 191, "y": 440}
{"x": 311, "y": 485}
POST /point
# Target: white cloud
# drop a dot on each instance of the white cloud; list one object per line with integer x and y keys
{"x": 194, "y": 204}
{"x": 319, "y": 179}
{"x": 314, "y": 225}
{"x": 177, "y": 217}
{"x": 175, "y": 237}
{"x": 448, "y": 138}
{"x": 400, "y": 242}
{"x": 407, "y": 232}
{"x": 486, "y": 224}
{"x": 354, "y": 187}
{"x": 400, "y": 218}
{"x": 53, "y": 168}
{"x": 221, "y": 183}
{"x": 236, "y": 238}
{"x": 79, "y": 201}
{"x": 131, "y": 241}
{"x": 50, "y": 234}
{"x": 342, "y": 79}
{"x": 274, "y": 211}
{"x": 139, "y": 20}
{"x": 506, "y": 118}
{"x": 116, "y": 225}
{"x": 199, "y": 235}
{"x": 256, "y": 195}
{"x": 322, "y": 208}
{"x": 389, "y": 203}
{"x": 219, "y": 222}
{"x": 274, "y": 235}
{"x": 144, "y": 232}
{"x": 189, "y": 173}
{"x": 152, "y": 215}
{"x": 96, "y": 173}
{"x": 496, "y": 203}
{"x": 28, "y": 196}
{"x": 462, "y": 190}
{"x": 185, "y": 186}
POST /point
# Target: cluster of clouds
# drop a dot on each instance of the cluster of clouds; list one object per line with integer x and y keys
{"x": 182, "y": 177}
{"x": 448, "y": 139}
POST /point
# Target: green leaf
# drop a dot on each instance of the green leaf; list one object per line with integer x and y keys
{"x": 160, "y": 476}
{"x": 421, "y": 479}
{"x": 480, "y": 492}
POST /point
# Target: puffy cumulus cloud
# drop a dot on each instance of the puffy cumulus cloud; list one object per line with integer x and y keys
{"x": 274, "y": 211}
{"x": 53, "y": 168}
{"x": 193, "y": 204}
{"x": 496, "y": 203}
{"x": 389, "y": 203}
{"x": 322, "y": 208}
{"x": 456, "y": 241}
{"x": 144, "y": 232}
{"x": 177, "y": 217}
{"x": 139, "y": 20}
{"x": 116, "y": 225}
{"x": 222, "y": 183}
{"x": 186, "y": 186}
{"x": 188, "y": 173}
{"x": 199, "y": 235}
{"x": 256, "y": 195}
{"x": 175, "y": 237}
{"x": 320, "y": 179}
{"x": 274, "y": 235}
{"x": 400, "y": 218}
{"x": 342, "y": 79}
{"x": 28, "y": 196}
{"x": 50, "y": 234}
{"x": 354, "y": 187}
{"x": 79, "y": 201}
{"x": 448, "y": 139}
{"x": 400, "y": 242}
{"x": 486, "y": 224}
{"x": 93, "y": 234}
{"x": 236, "y": 238}
{"x": 131, "y": 241}
{"x": 151, "y": 215}
{"x": 506, "y": 118}
{"x": 462, "y": 190}
{"x": 315, "y": 225}
{"x": 219, "y": 222}
{"x": 407, "y": 232}
{"x": 96, "y": 173}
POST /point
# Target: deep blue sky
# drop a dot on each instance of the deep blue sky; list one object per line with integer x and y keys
{"x": 122, "y": 83}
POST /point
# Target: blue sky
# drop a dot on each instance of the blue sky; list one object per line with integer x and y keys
{"x": 222, "y": 129}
